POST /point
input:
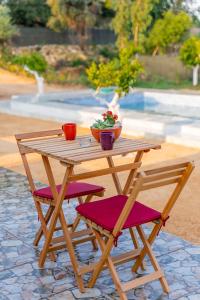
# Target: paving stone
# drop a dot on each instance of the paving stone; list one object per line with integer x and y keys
{"x": 21, "y": 278}
{"x": 89, "y": 293}
{"x": 194, "y": 297}
{"x": 63, "y": 296}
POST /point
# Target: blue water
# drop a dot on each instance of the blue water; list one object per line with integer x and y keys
{"x": 137, "y": 102}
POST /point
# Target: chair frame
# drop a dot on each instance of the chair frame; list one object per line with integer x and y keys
{"x": 177, "y": 174}
{"x": 44, "y": 219}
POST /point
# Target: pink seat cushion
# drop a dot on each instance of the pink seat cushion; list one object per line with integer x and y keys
{"x": 75, "y": 189}
{"x": 105, "y": 213}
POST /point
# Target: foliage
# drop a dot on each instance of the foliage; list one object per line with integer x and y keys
{"x": 162, "y": 83}
{"x": 29, "y": 12}
{"x": 121, "y": 23}
{"x": 159, "y": 8}
{"x": 34, "y": 60}
{"x": 75, "y": 14}
{"x": 169, "y": 31}
{"x": 190, "y": 52}
{"x": 107, "y": 52}
{"x": 141, "y": 18}
{"x": 7, "y": 30}
{"x": 109, "y": 121}
{"x": 120, "y": 72}
{"x": 132, "y": 19}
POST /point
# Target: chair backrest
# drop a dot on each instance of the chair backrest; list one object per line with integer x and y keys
{"x": 23, "y": 151}
{"x": 176, "y": 174}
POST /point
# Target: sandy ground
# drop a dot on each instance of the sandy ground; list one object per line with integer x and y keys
{"x": 184, "y": 220}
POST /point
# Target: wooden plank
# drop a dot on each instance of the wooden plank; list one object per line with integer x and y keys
{"x": 141, "y": 280}
{"x": 167, "y": 168}
{"x": 96, "y": 150}
{"x": 105, "y": 171}
{"x": 160, "y": 176}
{"x": 64, "y": 159}
{"x": 63, "y": 146}
{"x": 37, "y": 134}
{"x": 159, "y": 184}
{"x": 50, "y": 140}
{"x": 76, "y": 154}
{"x": 102, "y": 154}
{"x": 117, "y": 260}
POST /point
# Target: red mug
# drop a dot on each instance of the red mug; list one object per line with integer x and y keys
{"x": 69, "y": 130}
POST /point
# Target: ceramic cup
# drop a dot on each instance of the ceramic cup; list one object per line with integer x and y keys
{"x": 107, "y": 140}
{"x": 69, "y": 130}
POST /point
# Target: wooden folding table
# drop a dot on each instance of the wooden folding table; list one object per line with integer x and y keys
{"x": 71, "y": 154}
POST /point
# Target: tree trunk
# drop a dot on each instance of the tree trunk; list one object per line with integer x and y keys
{"x": 155, "y": 51}
{"x": 195, "y": 75}
{"x": 136, "y": 33}
{"x": 114, "y": 105}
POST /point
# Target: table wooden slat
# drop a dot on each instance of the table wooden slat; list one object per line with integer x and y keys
{"x": 84, "y": 148}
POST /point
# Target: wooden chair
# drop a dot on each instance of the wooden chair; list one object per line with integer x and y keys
{"x": 44, "y": 195}
{"x": 109, "y": 217}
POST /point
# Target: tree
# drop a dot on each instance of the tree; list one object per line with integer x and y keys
{"x": 158, "y": 10}
{"x": 7, "y": 29}
{"x": 132, "y": 20}
{"x": 120, "y": 73}
{"x": 169, "y": 31}
{"x": 141, "y": 18}
{"x": 28, "y": 12}
{"x": 190, "y": 56}
{"x": 75, "y": 14}
{"x": 121, "y": 23}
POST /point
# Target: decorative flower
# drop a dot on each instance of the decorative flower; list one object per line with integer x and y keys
{"x": 109, "y": 121}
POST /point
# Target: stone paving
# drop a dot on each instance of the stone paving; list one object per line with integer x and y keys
{"x": 21, "y": 278}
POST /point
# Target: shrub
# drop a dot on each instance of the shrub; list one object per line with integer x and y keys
{"x": 35, "y": 61}
{"x": 78, "y": 62}
{"x": 107, "y": 53}
{"x": 7, "y": 29}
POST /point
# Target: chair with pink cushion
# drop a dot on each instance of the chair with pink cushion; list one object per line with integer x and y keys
{"x": 111, "y": 216}
{"x": 44, "y": 195}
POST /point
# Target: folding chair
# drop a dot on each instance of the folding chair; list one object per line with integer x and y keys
{"x": 110, "y": 216}
{"x": 45, "y": 196}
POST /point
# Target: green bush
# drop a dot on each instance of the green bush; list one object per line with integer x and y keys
{"x": 35, "y": 61}
{"x": 107, "y": 53}
{"x": 78, "y": 62}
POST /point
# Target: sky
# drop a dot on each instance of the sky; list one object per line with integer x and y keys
{"x": 194, "y": 7}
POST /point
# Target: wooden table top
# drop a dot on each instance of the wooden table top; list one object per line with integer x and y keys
{"x": 84, "y": 148}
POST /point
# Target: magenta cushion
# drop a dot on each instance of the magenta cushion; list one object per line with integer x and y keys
{"x": 105, "y": 213}
{"x": 75, "y": 189}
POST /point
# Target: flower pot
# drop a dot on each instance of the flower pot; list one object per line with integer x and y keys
{"x": 96, "y": 132}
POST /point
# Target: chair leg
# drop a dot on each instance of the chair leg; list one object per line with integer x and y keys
{"x": 143, "y": 253}
{"x": 101, "y": 262}
{"x": 136, "y": 244}
{"x": 77, "y": 221}
{"x": 40, "y": 233}
{"x": 70, "y": 249}
{"x": 44, "y": 226}
{"x": 112, "y": 268}
{"x": 153, "y": 260}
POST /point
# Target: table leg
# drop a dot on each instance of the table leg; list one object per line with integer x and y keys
{"x": 115, "y": 176}
{"x": 132, "y": 173}
{"x": 70, "y": 249}
{"x": 40, "y": 233}
{"x": 58, "y": 198}
{"x": 58, "y": 214}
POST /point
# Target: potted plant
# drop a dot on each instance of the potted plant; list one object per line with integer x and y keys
{"x": 109, "y": 123}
